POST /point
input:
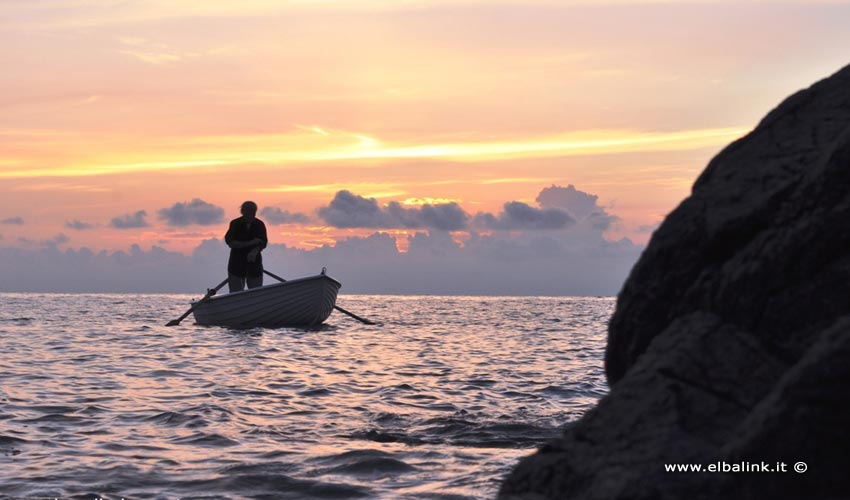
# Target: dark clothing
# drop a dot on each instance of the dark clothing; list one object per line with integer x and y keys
{"x": 237, "y": 284}
{"x": 238, "y": 264}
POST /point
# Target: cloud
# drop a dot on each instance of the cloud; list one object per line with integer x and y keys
{"x": 17, "y": 221}
{"x": 648, "y": 228}
{"x": 275, "y": 215}
{"x": 520, "y": 216}
{"x": 59, "y": 239}
{"x": 583, "y": 207}
{"x": 557, "y": 248}
{"x": 82, "y": 270}
{"x": 78, "y": 225}
{"x": 196, "y": 211}
{"x": 130, "y": 221}
{"x": 560, "y": 209}
{"x": 433, "y": 264}
{"x": 269, "y": 151}
{"x": 578, "y": 203}
{"x": 442, "y": 216}
{"x": 348, "y": 210}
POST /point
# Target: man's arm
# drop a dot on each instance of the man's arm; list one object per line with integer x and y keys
{"x": 263, "y": 236}
{"x": 229, "y": 237}
{"x": 244, "y": 244}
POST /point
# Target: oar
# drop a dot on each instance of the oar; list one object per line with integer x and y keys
{"x": 358, "y": 318}
{"x": 210, "y": 293}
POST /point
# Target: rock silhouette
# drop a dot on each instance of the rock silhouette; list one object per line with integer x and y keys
{"x": 730, "y": 342}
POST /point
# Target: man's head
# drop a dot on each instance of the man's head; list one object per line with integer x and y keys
{"x": 249, "y": 210}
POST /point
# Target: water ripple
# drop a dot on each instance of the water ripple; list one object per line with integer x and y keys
{"x": 98, "y": 399}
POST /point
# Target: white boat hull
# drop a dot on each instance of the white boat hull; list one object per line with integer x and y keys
{"x": 299, "y": 302}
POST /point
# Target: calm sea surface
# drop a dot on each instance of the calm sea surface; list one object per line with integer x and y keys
{"x": 99, "y": 400}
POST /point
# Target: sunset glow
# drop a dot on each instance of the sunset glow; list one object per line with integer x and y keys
{"x": 279, "y": 150}
{"x": 111, "y": 109}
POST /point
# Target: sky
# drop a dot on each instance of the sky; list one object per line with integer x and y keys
{"x": 498, "y": 147}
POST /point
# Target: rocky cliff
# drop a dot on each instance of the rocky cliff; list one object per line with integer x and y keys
{"x": 731, "y": 338}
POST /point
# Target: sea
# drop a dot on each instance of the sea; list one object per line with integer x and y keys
{"x": 100, "y": 400}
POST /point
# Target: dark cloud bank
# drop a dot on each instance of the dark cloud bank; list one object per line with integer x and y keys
{"x": 13, "y": 221}
{"x": 196, "y": 211}
{"x": 559, "y": 208}
{"x": 348, "y": 210}
{"x": 554, "y": 249}
{"x": 78, "y": 225}
{"x": 130, "y": 221}
{"x": 276, "y": 216}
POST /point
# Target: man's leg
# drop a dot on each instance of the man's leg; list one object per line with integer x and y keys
{"x": 255, "y": 281}
{"x": 236, "y": 283}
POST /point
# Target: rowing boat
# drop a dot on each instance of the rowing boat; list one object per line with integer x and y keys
{"x": 299, "y": 302}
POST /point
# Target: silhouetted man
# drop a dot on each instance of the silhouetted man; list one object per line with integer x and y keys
{"x": 246, "y": 238}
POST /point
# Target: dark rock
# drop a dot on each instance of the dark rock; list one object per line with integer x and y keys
{"x": 731, "y": 338}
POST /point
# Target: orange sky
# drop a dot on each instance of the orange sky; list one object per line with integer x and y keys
{"x": 110, "y": 108}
